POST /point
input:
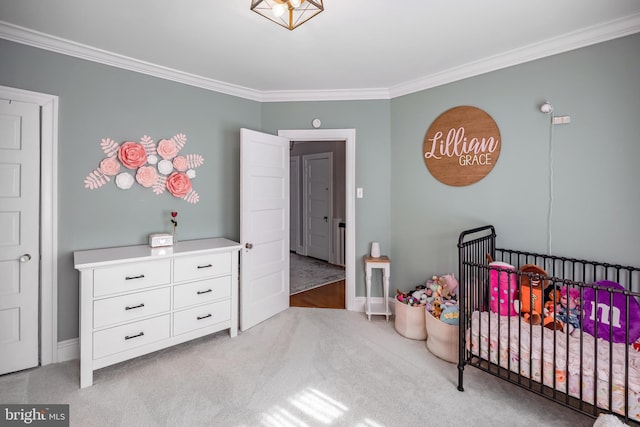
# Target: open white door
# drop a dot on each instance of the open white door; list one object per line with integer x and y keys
{"x": 19, "y": 234}
{"x": 264, "y": 226}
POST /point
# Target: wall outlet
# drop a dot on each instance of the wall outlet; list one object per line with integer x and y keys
{"x": 561, "y": 120}
{"x": 359, "y": 193}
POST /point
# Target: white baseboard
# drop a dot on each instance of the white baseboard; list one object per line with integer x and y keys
{"x": 360, "y": 303}
{"x": 68, "y": 350}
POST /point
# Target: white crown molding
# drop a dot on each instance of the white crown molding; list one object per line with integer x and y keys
{"x": 325, "y": 95}
{"x": 566, "y": 42}
{"x": 55, "y": 44}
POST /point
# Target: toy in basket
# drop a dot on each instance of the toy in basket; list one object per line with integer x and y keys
{"x": 442, "y": 318}
{"x": 431, "y": 312}
{"x": 409, "y": 319}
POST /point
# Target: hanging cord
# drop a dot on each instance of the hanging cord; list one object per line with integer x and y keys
{"x": 550, "y": 210}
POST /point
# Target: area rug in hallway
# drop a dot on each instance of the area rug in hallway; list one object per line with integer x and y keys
{"x": 308, "y": 273}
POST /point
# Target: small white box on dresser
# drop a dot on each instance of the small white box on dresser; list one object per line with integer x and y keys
{"x": 157, "y": 240}
{"x": 135, "y": 300}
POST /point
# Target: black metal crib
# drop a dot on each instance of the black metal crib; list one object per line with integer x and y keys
{"x": 588, "y": 372}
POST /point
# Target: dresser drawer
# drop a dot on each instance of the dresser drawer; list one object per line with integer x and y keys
{"x": 202, "y": 291}
{"x": 110, "y": 311}
{"x": 201, "y": 266}
{"x": 201, "y": 316}
{"x": 131, "y": 335}
{"x": 131, "y": 276}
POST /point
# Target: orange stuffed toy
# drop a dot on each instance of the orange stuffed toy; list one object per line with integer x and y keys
{"x": 530, "y": 295}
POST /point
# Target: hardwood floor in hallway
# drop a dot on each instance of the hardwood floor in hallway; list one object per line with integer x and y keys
{"x": 327, "y": 296}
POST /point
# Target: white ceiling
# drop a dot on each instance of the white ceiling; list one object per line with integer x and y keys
{"x": 355, "y": 49}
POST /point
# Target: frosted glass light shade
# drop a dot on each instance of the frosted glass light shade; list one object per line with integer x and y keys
{"x": 279, "y": 10}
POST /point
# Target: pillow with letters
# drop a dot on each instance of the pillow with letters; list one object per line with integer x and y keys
{"x": 611, "y": 318}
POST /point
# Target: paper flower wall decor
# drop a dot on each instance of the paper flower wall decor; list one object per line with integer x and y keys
{"x": 158, "y": 167}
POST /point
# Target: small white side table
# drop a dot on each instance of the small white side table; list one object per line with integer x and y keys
{"x": 383, "y": 262}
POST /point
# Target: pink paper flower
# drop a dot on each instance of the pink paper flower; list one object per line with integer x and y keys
{"x": 167, "y": 149}
{"x": 110, "y": 166}
{"x": 146, "y": 176}
{"x": 178, "y": 184}
{"x": 132, "y": 155}
{"x": 180, "y": 163}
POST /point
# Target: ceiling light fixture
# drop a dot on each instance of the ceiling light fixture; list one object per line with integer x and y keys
{"x": 289, "y": 14}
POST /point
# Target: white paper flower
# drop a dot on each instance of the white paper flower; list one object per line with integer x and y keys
{"x": 191, "y": 173}
{"x": 165, "y": 167}
{"x": 152, "y": 159}
{"x": 124, "y": 180}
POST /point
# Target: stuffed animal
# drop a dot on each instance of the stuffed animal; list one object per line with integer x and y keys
{"x": 608, "y": 310}
{"x": 452, "y": 283}
{"x": 551, "y": 307}
{"x": 568, "y": 309}
{"x": 428, "y": 295}
{"x": 552, "y": 302}
{"x": 401, "y": 296}
{"x": 530, "y": 297}
{"x": 436, "y": 309}
{"x": 450, "y": 315}
{"x": 444, "y": 292}
{"x": 412, "y": 301}
{"x": 432, "y": 289}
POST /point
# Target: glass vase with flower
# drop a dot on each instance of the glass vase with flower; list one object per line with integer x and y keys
{"x": 174, "y": 221}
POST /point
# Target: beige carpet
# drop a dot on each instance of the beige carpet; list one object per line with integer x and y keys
{"x": 304, "y": 367}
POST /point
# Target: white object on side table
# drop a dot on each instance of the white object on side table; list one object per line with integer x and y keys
{"x": 375, "y": 250}
{"x": 135, "y": 299}
{"x": 382, "y": 262}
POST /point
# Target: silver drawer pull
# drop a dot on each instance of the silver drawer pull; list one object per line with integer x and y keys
{"x": 205, "y": 266}
{"x": 128, "y": 337}
{"x": 141, "y": 276}
{"x": 131, "y": 307}
{"x": 204, "y": 317}
{"x": 204, "y": 292}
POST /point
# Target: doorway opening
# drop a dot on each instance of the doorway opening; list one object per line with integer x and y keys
{"x": 339, "y": 224}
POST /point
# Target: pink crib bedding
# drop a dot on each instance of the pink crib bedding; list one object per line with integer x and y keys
{"x": 530, "y": 353}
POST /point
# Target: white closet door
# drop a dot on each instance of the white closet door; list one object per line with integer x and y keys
{"x": 19, "y": 234}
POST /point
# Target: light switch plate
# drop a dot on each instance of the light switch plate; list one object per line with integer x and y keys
{"x": 359, "y": 192}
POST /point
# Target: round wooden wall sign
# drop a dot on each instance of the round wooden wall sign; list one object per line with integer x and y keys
{"x": 461, "y": 146}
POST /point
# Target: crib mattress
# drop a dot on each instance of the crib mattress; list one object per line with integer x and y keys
{"x": 529, "y": 351}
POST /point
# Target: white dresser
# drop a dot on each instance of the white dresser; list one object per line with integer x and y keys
{"x": 137, "y": 299}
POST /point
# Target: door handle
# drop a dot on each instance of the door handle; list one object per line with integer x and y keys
{"x": 25, "y": 258}
{"x": 326, "y": 219}
{"x": 248, "y": 245}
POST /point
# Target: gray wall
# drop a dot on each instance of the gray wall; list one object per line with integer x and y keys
{"x": 98, "y": 101}
{"x": 595, "y": 196}
{"x": 370, "y": 119}
{"x": 416, "y": 218}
